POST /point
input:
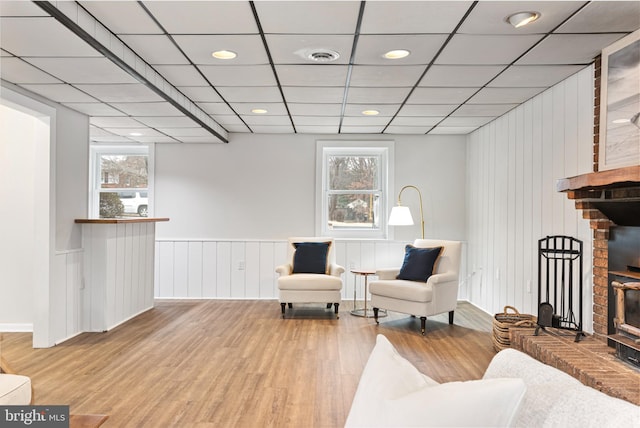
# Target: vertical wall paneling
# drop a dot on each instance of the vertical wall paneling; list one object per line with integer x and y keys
{"x": 513, "y": 165}
{"x": 166, "y": 266}
{"x": 209, "y": 269}
{"x": 223, "y": 272}
{"x": 66, "y": 296}
{"x": 195, "y": 271}
{"x": 180, "y": 268}
{"x": 252, "y": 270}
{"x": 238, "y": 270}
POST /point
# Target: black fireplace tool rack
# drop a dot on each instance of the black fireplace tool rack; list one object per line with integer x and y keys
{"x": 560, "y": 284}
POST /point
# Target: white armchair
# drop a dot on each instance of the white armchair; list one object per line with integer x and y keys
{"x": 437, "y": 295}
{"x": 310, "y": 287}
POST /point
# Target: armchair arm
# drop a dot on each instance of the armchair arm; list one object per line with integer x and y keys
{"x": 440, "y": 278}
{"x": 387, "y": 273}
{"x": 284, "y": 270}
{"x": 336, "y": 270}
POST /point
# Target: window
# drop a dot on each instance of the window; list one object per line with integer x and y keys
{"x": 353, "y": 187}
{"x": 120, "y": 185}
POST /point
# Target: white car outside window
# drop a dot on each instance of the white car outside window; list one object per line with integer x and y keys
{"x": 134, "y": 202}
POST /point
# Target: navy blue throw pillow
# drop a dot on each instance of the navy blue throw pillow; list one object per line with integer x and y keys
{"x": 310, "y": 257}
{"x": 418, "y": 263}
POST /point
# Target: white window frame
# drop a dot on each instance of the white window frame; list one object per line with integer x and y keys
{"x": 95, "y": 178}
{"x": 324, "y": 149}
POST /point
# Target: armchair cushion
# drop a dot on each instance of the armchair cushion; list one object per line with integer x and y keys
{"x": 311, "y": 257}
{"x": 418, "y": 263}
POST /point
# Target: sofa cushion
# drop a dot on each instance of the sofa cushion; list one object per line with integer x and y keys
{"x": 309, "y": 281}
{"x": 392, "y": 393}
{"x": 418, "y": 263}
{"x": 404, "y": 290}
{"x": 311, "y": 257}
{"x": 14, "y": 390}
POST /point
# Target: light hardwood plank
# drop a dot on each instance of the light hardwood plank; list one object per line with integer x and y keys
{"x": 212, "y": 363}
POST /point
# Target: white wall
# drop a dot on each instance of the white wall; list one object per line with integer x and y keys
{"x": 263, "y": 186}
{"x": 513, "y": 164}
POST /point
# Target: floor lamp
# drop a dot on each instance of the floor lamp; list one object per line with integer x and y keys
{"x": 401, "y": 215}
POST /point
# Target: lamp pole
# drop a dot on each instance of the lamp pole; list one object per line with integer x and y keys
{"x": 420, "y": 197}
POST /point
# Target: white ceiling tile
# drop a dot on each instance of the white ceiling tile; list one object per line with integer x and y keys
{"x": 60, "y": 93}
{"x": 304, "y": 129}
{"x": 114, "y": 122}
{"x": 384, "y": 109}
{"x": 200, "y": 140}
{"x": 83, "y": 70}
{"x": 504, "y": 95}
{"x": 361, "y": 129}
{"x": 262, "y": 129}
{"x": 300, "y": 94}
{"x": 4, "y": 53}
{"x": 569, "y": 49}
{"x": 204, "y": 17}
{"x": 94, "y": 109}
{"x": 604, "y": 17}
{"x": 185, "y": 132}
{"x": 310, "y": 109}
{"x": 198, "y": 48}
{"x": 483, "y": 109}
{"x": 167, "y": 121}
{"x": 200, "y": 93}
{"x": 181, "y": 75}
{"x": 122, "y": 17}
{"x": 316, "y": 120}
{"x": 449, "y": 130}
{"x": 236, "y": 128}
{"x": 42, "y": 37}
{"x": 440, "y": 95}
{"x": 294, "y": 48}
{"x": 216, "y": 108}
{"x": 411, "y": 130}
{"x": 312, "y": 75}
{"x": 485, "y": 49}
{"x": 225, "y": 120}
{"x": 377, "y": 95}
{"x": 266, "y": 120}
{"x": 256, "y": 94}
{"x": 155, "y": 48}
{"x": 460, "y": 75}
{"x": 273, "y": 109}
{"x": 423, "y": 48}
{"x": 366, "y": 121}
{"x": 127, "y": 132}
{"x": 396, "y": 17}
{"x": 416, "y": 121}
{"x": 313, "y": 17}
{"x": 386, "y": 76}
{"x": 148, "y": 109}
{"x": 15, "y": 70}
{"x": 20, "y": 8}
{"x": 111, "y": 139}
{"x": 466, "y": 121}
{"x": 94, "y": 131}
{"x": 151, "y": 140}
{"x": 427, "y": 109}
{"x": 239, "y": 75}
{"x": 489, "y": 17}
{"x": 134, "y": 92}
{"x": 534, "y": 75}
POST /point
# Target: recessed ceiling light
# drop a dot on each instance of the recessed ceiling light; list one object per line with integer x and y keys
{"x": 520, "y": 19}
{"x": 323, "y": 55}
{"x": 258, "y": 111}
{"x": 135, "y": 134}
{"x": 370, "y": 112}
{"x": 396, "y": 54}
{"x": 224, "y": 54}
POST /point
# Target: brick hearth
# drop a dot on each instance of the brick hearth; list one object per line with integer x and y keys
{"x": 590, "y": 361}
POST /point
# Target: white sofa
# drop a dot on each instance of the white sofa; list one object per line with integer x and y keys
{"x": 516, "y": 390}
{"x": 15, "y": 390}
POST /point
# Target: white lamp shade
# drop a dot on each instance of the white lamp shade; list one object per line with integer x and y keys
{"x": 400, "y": 216}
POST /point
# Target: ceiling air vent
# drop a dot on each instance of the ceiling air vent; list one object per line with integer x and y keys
{"x": 323, "y": 55}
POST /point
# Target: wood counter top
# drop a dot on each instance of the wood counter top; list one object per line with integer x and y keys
{"x": 121, "y": 220}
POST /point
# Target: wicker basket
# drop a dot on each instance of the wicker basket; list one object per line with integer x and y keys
{"x": 506, "y": 320}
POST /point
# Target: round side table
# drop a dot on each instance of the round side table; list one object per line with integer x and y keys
{"x": 364, "y": 312}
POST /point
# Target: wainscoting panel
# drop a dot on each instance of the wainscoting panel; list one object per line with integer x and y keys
{"x": 237, "y": 269}
{"x": 66, "y": 296}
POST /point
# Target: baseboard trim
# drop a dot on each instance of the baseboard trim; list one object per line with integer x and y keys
{"x": 16, "y": 328}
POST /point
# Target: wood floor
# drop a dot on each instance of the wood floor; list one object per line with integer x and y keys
{"x": 238, "y": 364}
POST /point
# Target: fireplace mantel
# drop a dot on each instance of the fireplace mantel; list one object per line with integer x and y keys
{"x": 611, "y": 179}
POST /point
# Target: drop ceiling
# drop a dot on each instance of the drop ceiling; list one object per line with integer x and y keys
{"x": 143, "y": 70}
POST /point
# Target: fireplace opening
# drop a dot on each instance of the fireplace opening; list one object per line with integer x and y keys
{"x": 632, "y": 307}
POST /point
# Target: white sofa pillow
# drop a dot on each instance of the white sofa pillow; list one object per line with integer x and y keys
{"x": 387, "y": 375}
{"x": 393, "y": 393}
